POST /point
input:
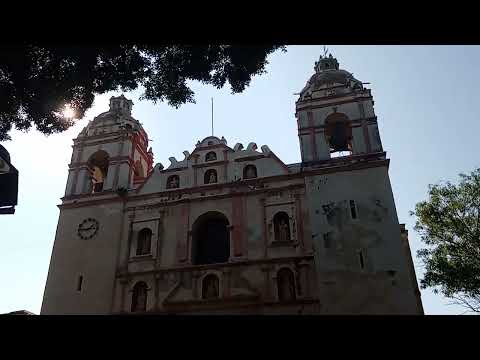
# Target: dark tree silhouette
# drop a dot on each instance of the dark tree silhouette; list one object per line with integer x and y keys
{"x": 37, "y": 80}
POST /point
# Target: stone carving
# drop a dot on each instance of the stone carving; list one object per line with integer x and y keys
{"x": 283, "y": 231}
{"x": 173, "y": 161}
{"x": 173, "y": 182}
{"x": 281, "y": 227}
{"x": 266, "y": 150}
{"x": 252, "y": 147}
{"x": 212, "y": 178}
{"x": 238, "y": 147}
{"x": 210, "y": 287}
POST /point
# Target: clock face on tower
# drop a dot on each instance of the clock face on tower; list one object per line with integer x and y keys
{"x": 88, "y": 228}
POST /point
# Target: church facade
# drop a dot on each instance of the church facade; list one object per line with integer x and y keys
{"x": 235, "y": 230}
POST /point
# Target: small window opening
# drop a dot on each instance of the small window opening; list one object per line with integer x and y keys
{"x": 353, "y": 209}
{"x": 327, "y": 240}
{"x": 211, "y": 156}
{"x": 250, "y": 172}
{"x": 360, "y": 258}
{"x": 79, "y": 283}
{"x": 144, "y": 242}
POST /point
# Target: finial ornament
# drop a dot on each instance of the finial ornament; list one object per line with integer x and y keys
{"x": 326, "y": 62}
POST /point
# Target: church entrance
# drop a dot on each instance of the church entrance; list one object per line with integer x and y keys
{"x": 210, "y": 239}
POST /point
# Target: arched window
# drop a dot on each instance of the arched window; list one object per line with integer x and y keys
{"x": 173, "y": 182}
{"x": 338, "y": 133}
{"x": 286, "y": 285}
{"x": 249, "y": 172}
{"x": 281, "y": 224}
{"x": 210, "y": 287}
{"x": 98, "y": 169}
{"x": 211, "y": 156}
{"x": 144, "y": 241}
{"x": 210, "y": 239}
{"x": 139, "y": 297}
{"x": 210, "y": 176}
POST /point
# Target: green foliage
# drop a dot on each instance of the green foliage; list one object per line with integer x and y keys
{"x": 36, "y": 80}
{"x": 449, "y": 224}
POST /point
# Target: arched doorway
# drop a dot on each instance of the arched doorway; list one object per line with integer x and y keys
{"x": 210, "y": 239}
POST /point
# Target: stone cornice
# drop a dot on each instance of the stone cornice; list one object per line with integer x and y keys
{"x": 320, "y": 167}
{"x": 318, "y": 103}
{"x": 189, "y": 267}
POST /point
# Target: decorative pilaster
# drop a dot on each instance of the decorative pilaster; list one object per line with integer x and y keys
{"x": 238, "y": 226}
{"x": 299, "y": 221}
{"x": 195, "y": 284}
{"x": 183, "y": 233}
{"x": 226, "y": 282}
{"x": 157, "y": 278}
{"x": 124, "y": 283}
{"x": 366, "y": 135}
{"x": 312, "y": 136}
{"x": 303, "y": 268}
{"x": 264, "y": 226}
{"x": 267, "y": 286}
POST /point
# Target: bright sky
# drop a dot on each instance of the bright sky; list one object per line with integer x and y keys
{"x": 424, "y": 100}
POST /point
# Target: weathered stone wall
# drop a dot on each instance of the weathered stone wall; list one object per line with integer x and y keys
{"x": 380, "y": 281}
{"x": 94, "y": 259}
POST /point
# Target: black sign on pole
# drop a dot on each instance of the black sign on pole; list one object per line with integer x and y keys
{"x": 8, "y": 183}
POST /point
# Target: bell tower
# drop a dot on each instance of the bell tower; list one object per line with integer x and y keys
{"x": 358, "y": 247}
{"x": 110, "y": 153}
{"x": 335, "y": 115}
{"x": 110, "y": 158}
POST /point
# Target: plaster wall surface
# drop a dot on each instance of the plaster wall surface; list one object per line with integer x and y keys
{"x": 381, "y": 279}
{"x": 93, "y": 259}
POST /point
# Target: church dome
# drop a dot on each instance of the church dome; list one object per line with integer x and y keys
{"x": 118, "y": 117}
{"x": 328, "y": 74}
{"x": 334, "y": 76}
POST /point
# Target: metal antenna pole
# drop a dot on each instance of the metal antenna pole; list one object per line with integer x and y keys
{"x": 212, "y": 116}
